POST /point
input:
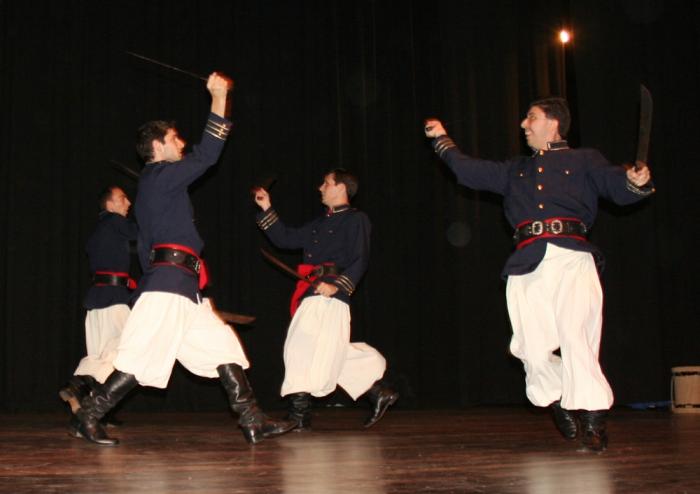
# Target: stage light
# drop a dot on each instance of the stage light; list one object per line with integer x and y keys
{"x": 564, "y": 36}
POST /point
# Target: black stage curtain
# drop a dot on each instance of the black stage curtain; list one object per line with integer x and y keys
{"x": 321, "y": 84}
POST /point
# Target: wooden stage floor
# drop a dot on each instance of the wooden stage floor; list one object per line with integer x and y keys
{"x": 494, "y": 449}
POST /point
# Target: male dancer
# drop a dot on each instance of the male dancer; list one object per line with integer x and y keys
{"x": 553, "y": 291}
{"x": 318, "y": 354}
{"x": 107, "y": 300}
{"x": 170, "y": 320}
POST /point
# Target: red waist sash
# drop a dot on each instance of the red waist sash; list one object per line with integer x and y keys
{"x": 302, "y": 286}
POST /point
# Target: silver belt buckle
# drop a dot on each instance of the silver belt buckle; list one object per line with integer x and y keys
{"x": 556, "y": 227}
{"x": 537, "y": 227}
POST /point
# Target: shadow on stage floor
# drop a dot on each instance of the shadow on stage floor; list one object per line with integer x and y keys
{"x": 494, "y": 449}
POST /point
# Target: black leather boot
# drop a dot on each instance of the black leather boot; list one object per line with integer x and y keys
{"x": 255, "y": 425}
{"x": 381, "y": 398}
{"x": 565, "y": 420}
{"x": 594, "y": 435}
{"x": 299, "y": 411}
{"x": 86, "y": 421}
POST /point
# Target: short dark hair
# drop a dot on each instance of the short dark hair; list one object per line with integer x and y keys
{"x": 342, "y": 176}
{"x": 556, "y": 108}
{"x": 105, "y": 195}
{"x": 147, "y": 133}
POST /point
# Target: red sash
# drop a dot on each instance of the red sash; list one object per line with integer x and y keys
{"x": 302, "y": 286}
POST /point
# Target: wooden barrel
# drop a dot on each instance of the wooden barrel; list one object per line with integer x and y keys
{"x": 685, "y": 389}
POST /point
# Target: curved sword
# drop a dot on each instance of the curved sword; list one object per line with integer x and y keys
{"x": 646, "y": 110}
{"x": 286, "y": 268}
{"x": 234, "y": 318}
{"x": 130, "y": 172}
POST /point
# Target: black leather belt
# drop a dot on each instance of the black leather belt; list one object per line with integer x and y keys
{"x": 325, "y": 270}
{"x": 110, "y": 280}
{"x": 175, "y": 257}
{"x": 549, "y": 228}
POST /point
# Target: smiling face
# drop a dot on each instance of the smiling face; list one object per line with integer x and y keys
{"x": 539, "y": 130}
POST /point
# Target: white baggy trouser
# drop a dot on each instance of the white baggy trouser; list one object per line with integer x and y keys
{"x": 103, "y": 328}
{"x": 318, "y": 355}
{"x": 164, "y": 327}
{"x": 560, "y": 305}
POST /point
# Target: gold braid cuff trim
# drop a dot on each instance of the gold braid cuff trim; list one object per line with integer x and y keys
{"x": 218, "y": 130}
{"x": 442, "y": 144}
{"x": 345, "y": 284}
{"x": 640, "y": 191}
{"x": 268, "y": 220}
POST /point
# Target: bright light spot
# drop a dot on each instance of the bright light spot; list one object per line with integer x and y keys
{"x": 564, "y": 36}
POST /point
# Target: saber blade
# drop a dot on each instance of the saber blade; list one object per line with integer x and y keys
{"x": 125, "y": 169}
{"x": 234, "y": 318}
{"x": 167, "y": 66}
{"x": 646, "y": 110}
{"x": 284, "y": 267}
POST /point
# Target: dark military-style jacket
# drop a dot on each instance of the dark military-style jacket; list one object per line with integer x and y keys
{"x": 341, "y": 237}
{"x": 108, "y": 250}
{"x": 562, "y": 183}
{"x": 164, "y": 211}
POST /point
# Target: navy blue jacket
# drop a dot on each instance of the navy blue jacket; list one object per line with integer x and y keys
{"x": 108, "y": 250}
{"x": 340, "y": 237}
{"x": 164, "y": 211}
{"x": 563, "y": 183}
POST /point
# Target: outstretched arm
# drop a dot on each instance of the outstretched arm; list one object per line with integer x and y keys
{"x": 474, "y": 173}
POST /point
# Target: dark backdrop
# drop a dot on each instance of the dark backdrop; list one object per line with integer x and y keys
{"x": 321, "y": 84}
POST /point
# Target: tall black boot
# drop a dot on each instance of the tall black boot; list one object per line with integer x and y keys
{"x": 565, "y": 420}
{"x": 86, "y": 421}
{"x": 77, "y": 388}
{"x": 381, "y": 398}
{"x": 299, "y": 411}
{"x": 255, "y": 425}
{"x": 594, "y": 435}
